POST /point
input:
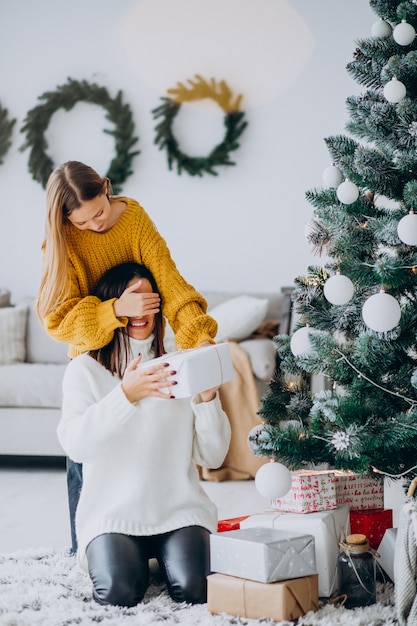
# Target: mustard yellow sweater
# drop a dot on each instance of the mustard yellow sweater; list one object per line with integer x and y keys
{"x": 86, "y": 323}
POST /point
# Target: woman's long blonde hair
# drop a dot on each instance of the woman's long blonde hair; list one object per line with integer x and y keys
{"x": 69, "y": 185}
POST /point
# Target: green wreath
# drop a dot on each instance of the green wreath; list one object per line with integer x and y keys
{"x": 65, "y": 97}
{"x": 233, "y": 122}
{"x": 6, "y": 128}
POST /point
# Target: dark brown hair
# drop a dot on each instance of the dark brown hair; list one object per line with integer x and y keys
{"x": 115, "y": 356}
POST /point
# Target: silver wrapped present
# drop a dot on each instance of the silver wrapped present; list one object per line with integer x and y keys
{"x": 263, "y": 554}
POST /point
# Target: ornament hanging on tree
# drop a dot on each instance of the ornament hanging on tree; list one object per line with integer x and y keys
{"x": 332, "y": 176}
{"x": 394, "y": 90}
{"x": 407, "y": 229}
{"x": 347, "y": 192}
{"x": 381, "y": 312}
{"x": 273, "y": 480}
{"x": 300, "y": 342}
{"x": 381, "y": 28}
{"x": 253, "y": 438}
{"x": 404, "y": 33}
{"x": 338, "y": 289}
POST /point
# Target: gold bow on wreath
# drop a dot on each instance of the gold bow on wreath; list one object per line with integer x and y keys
{"x": 233, "y": 122}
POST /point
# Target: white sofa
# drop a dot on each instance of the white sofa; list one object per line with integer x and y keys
{"x": 32, "y": 365}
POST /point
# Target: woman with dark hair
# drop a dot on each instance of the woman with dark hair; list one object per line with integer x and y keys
{"x": 141, "y": 496}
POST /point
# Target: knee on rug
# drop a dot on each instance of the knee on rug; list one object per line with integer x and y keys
{"x": 193, "y": 590}
{"x": 118, "y": 592}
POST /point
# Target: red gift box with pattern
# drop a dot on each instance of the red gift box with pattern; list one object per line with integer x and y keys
{"x": 372, "y": 522}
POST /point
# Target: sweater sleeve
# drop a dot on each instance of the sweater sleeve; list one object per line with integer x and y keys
{"x": 90, "y": 422}
{"x": 212, "y": 433}
{"x": 184, "y": 307}
{"x": 85, "y": 323}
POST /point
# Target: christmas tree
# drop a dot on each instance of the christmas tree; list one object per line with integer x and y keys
{"x": 356, "y": 322}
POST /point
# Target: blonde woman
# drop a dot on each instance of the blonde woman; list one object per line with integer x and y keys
{"x": 88, "y": 231}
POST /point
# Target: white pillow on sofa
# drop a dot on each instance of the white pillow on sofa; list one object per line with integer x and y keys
{"x": 12, "y": 334}
{"x": 262, "y": 356}
{"x": 239, "y": 317}
{"x": 40, "y": 347}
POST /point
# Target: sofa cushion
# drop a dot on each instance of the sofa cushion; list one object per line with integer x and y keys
{"x": 12, "y": 334}
{"x": 31, "y": 385}
{"x": 262, "y": 356}
{"x": 40, "y": 347}
{"x": 238, "y": 317}
{"x": 275, "y": 300}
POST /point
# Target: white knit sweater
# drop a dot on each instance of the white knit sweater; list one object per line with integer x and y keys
{"x": 139, "y": 473}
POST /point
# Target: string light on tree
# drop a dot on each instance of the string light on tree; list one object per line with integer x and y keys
{"x": 273, "y": 480}
{"x": 404, "y": 33}
{"x": 338, "y": 289}
{"x": 347, "y": 192}
{"x": 381, "y": 312}
{"x": 394, "y": 90}
{"x": 381, "y": 28}
{"x": 407, "y": 229}
{"x": 332, "y": 176}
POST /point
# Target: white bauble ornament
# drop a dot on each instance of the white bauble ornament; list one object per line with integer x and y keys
{"x": 332, "y": 176}
{"x": 255, "y": 432}
{"x": 381, "y": 28}
{"x": 381, "y": 312}
{"x": 347, "y": 192}
{"x": 273, "y": 480}
{"x": 404, "y": 33}
{"x": 338, "y": 289}
{"x": 407, "y": 229}
{"x": 300, "y": 342}
{"x": 394, "y": 90}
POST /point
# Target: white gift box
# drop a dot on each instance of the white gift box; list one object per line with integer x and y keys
{"x": 386, "y": 550}
{"x": 197, "y": 369}
{"x": 263, "y": 554}
{"x": 310, "y": 491}
{"x": 327, "y": 528}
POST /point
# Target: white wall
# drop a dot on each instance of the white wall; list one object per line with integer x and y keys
{"x": 241, "y": 230}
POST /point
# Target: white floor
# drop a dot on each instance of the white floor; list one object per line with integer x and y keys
{"x": 35, "y": 511}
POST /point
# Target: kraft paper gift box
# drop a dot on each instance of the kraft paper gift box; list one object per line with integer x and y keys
{"x": 373, "y": 523}
{"x": 231, "y": 523}
{"x": 386, "y": 550}
{"x": 263, "y": 554}
{"x": 359, "y": 492}
{"x": 327, "y": 527}
{"x": 286, "y": 600}
{"x": 311, "y": 490}
{"x": 197, "y": 369}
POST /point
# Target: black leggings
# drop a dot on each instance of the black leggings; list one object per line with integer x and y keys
{"x": 119, "y": 565}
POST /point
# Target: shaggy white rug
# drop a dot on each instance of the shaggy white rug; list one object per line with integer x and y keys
{"x": 43, "y": 587}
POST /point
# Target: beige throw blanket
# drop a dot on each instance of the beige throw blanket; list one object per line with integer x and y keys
{"x": 240, "y": 401}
